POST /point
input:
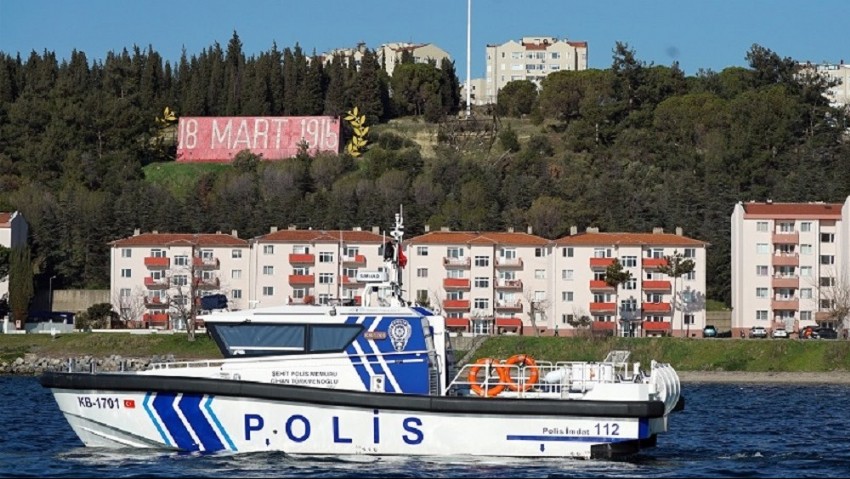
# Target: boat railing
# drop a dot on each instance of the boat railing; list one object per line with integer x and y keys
{"x": 561, "y": 380}
{"x": 203, "y": 363}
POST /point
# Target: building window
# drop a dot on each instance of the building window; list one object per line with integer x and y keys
{"x": 268, "y": 249}
{"x": 421, "y": 272}
{"x": 805, "y": 293}
{"x": 482, "y": 261}
{"x": 827, "y": 237}
{"x": 761, "y": 292}
{"x": 268, "y": 290}
{"x": 806, "y": 249}
{"x": 180, "y": 280}
{"x": 761, "y": 226}
{"x": 761, "y": 270}
{"x": 236, "y": 294}
{"x": 761, "y": 315}
{"x": 481, "y": 303}
{"x": 689, "y": 319}
{"x": 181, "y": 260}
{"x": 326, "y": 257}
{"x": 235, "y": 274}
{"x": 301, "y": 270}
{"x": 507, "y": 253}
{"x": 539, "y": 252}
{"x": 568, "y": 252}
{"x": 482, "y": 282}
{"x": 786, "y": 227}
{"x": 539, "y": 274}
{"x": 268, "y": 270}
{"x": 690, "y": 253}
{"x": 630, "y": 284}
{"x": 453, "y": 252}
{"x": 629, "y": 261}
{"x": 806, "y": 226}
{"x": 827, "y": 281}
{"x": 157, "y": 253}
{"x": 236, "y": 253}
{"x": 326, "y": 278}
{"x": 567, "y": 296}
{"x": 566, "y": 318}
{"x": 567, "y": 274}
{"x": 298, "y": 249}
{"x": 124, "y": 292}
{"x": 126, "y": 273}
{"x": 827, "y": 259}
{"x": 806, "y": 271}
{"x": 690, "y": 275}
{"x": 762, "y": 248}
{"x": 126, "y": 253}
{"x": 422, "y": 251}
{"x": 805, "y": 315}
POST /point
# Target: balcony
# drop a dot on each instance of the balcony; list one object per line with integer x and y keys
{"x": 208, "y": 283}
{"x": 600, "y": 285}
{"x": 787, "y": 259}
{"x": 356, "y": 260}
{"x": 205, "y": 263}
{"x": 789, "y": 303}
{"x": 155, "y": 320}
{"x": 302, "y": 279}
{"x": 603, "y": 308}
{"x": 653, "y": 263}
{"x": 456, "y": 262}
{"x": 456, "y": 304}
{"x": 152, "y": 283}
{"x": 349, "y": 282}
{"x": 513, "y": 306}
{"x": 154, "y": 302}
{"x": 786, "y": 238}
{"x": 456, "y": 283}
{"x": 655, "y": 308}
{"x": 157, "y": 262}
{"x": 657, "y": 326}
{"x": 515, "y": 284}
{"x": 657, "y": 286}
{"x": 509, "y": 263}
{"x": 603, "y": 326}
{"x": 508, "y": 323}
{"x": 785, "y": 282}
{"x": 601, "y": 263}
{"x": 302, "y": 258}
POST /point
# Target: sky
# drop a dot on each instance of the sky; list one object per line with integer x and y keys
{"x": 699, "y": 34}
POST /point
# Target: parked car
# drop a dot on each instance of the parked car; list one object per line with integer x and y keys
{"x": 709, "y": 331}
{"x": 824, "y": 333}
{"x": 758, "y": 332}
{"x": 780, "y": 333}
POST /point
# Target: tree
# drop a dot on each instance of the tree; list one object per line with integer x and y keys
{"x": 130, "y": 307}
{"x": 834, "y": 298}
{"x": 21, "y": 288}
{"x": 517, "y": 98}
{"x": 537, "y": 307}
{"x": 5, "y": 254}
{"x": 676, "y": 266}
{"x": 615, "y": 275}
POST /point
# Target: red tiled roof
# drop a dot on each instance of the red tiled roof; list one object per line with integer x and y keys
{"x": 792, "y": 210}
{"x": 176, "y": 239}
{"x": 322, "y": 236}
{"x": 487, "y": 237}
{"x": 535, "y": 46}
{"x": 578, "y": 44}
{"x": 629, "y": 239}
{"x": 5, "y": 218}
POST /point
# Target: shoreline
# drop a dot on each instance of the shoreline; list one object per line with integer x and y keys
{"x": 764, "y": 377}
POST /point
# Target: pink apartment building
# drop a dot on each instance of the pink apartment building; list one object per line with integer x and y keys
{"x": 789, "y": 264}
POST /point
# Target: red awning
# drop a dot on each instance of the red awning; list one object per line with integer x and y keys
{"x": 509, "y": 323}
{"x": 457, "y": 323}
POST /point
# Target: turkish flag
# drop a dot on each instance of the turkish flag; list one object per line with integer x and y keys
{"x": 129, "y": 403}
{"x": 402, "y": 259}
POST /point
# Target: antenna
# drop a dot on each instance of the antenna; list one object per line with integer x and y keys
{"x": 468, "y": 54}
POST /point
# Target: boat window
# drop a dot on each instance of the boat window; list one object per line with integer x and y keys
{"x": 329, "y": 338}
{"x": 261, "y": 339}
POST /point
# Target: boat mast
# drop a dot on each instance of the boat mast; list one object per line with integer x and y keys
{"x": 393, "y": 265}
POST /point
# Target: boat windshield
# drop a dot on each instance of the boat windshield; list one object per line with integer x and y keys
{"x": 253, "y": 339}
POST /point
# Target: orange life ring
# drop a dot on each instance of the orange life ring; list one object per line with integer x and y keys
{"x": 522, "y": 360}
{"x": 476, "y": 386}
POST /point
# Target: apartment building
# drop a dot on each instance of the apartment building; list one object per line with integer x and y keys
{"x": 484, "y": 282}
{"x": 14, "y": 231}
{"x": 839, "y": 94}
{"x": 651, "y": 303}
{"x": 531, "y": 58}
{"x": 389, "y": 54}
{"x": 295, "y": 266}
{"x": 155, "y": 275}
{"x": 790, "y": 264}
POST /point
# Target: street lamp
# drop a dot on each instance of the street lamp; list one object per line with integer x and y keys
{"x": 50, "y": 294}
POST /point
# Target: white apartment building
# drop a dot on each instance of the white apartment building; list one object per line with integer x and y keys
{"x": 13, "y": 234}
{"x": 531, "y": 58}
{"x": 650, "y": 304}
{"x": 789, "y": 261}
{"x": 295, "y": 266}
{"x": 153, "y": 274}
{"x": 485, "y": 282}
{"x": 390, "y": 54}
{"x": 839, "y": 95}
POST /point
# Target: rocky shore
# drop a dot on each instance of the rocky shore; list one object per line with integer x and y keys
{"x": 32, "y": 365}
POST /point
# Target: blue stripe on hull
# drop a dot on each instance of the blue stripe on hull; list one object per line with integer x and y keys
{"x": 164, "y": 406}
{"x": 190, "y": 404}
